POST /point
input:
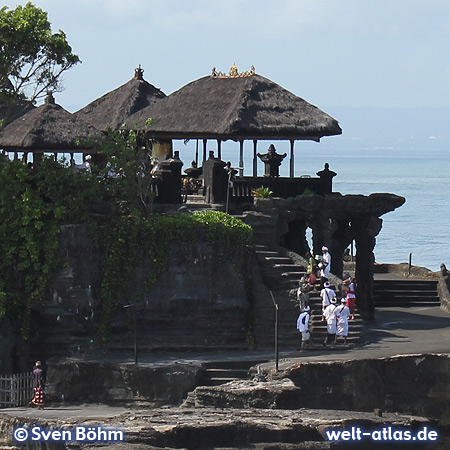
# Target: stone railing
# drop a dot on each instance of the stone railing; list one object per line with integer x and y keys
{"x": 243, "y": 188}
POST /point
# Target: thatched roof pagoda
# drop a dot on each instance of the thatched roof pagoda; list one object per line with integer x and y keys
{"x": 244, "y": 106}
{"x": 48, "y": 128}
{"x": 114, "y": 109}
{"x": 237, "y": 106}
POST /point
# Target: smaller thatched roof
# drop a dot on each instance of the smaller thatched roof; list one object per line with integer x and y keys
{"x": 114, "y": 109}
{"x": 236, "y": 107}
{"x": 47, "y": 128}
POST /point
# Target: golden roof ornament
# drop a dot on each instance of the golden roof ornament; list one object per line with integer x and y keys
{"x": 233, "y": 73}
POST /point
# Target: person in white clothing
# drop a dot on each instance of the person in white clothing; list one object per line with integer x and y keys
{"x": 326, "y": 263}
{"x": 342, "y": 314}
{"x": 326, "y": 295}
{"x": 303, "y": 328}
{"x": 329, "y": 315}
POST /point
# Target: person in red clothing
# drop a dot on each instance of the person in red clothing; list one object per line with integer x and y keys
{"x": 38, "y": 386}
{"x": 349, "y": 286}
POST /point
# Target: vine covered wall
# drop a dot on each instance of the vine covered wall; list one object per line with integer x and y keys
{"x": 72, "y": 259}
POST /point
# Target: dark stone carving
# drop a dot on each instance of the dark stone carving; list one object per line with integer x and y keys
{"x": 326, "y": 175}
{"x": 193, "y": 171}
{"x": 216, "y": 179}
{"x": 170, "y": 186}
{"x": 272, "y": 161}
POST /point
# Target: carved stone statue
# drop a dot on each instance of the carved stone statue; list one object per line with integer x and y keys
{"x": 272, "y": 161}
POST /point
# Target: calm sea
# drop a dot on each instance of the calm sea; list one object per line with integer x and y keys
{"x": 421, "y": 226}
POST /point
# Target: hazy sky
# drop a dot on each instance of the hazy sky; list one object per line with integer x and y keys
{"x": 393, "y": 53}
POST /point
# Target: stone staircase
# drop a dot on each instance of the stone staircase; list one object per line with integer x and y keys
{"x": 281, "y": 275}
{"x": 220, "y": 372}
{"x": 66, "y": 331}
{"x": 405, "y": 293}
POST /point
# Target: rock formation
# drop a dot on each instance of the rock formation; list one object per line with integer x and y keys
{"x": 336, "y": 220}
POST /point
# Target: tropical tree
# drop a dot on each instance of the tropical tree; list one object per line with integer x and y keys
{"x": 128, "y": 170}
{"x": 32, "y": 59}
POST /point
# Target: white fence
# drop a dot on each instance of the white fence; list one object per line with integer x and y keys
{"x": 16, "y": 390}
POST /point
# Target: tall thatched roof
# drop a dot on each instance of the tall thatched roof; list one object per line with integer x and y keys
{"x": 113, "y": 109}
{"x": 47, "y": 128}
{"x": 236, "y": 107}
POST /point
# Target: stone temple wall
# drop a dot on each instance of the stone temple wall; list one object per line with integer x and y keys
{"x": 197, "y": 303}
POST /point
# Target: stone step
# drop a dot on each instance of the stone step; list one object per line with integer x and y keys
{"x": 293, "y": 274}
{"x": 194, "y": 198}
{"x": 221, "y": 372}
{"x": 405, "y": 293}
{"x": 278, "y": 259}
{"x": 266, "y": 253}
{"x": 406, "y": 304}
{"x": 287, "y": 267}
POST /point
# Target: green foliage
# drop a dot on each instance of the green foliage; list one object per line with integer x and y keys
{"x": 129, "y": 162}
{"x": 133, "y": 239}
{"x": 32, "y": 59}
{"x": 33, "y": 204}
{"x": 262, "y": 192}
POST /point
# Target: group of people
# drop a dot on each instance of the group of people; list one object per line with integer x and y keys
{"x": 335, "y": 314}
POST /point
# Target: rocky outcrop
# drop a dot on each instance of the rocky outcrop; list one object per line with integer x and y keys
{"x": 413, "y": 384}
{"x": 74, "y": 380}
{"x": 275, "y": 394}
{"x": 210, "y": 428}
{"x": 336, "y": 220}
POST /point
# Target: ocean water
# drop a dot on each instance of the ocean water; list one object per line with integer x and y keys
{"x": 421, "y": 226}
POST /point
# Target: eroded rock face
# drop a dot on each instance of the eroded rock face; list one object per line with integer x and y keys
{"x": 208, "y": 428}
{"x": 74, "y": 380}
{"x": 413, "y": 384}
{"x": 276, "y": 394}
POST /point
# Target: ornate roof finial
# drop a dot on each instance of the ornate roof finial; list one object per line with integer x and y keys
{"x": 50, "y": 100}
{"x": 138, "y": 73}
{"x": 233, "y": 71}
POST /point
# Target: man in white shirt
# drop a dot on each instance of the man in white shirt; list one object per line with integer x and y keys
{"x": 303, "y": 328}
{"x": 326, "y": 263}
{"x": 326, "y": 295}
{"x": 329, "y": 315}
{"x": 342, "y": 314}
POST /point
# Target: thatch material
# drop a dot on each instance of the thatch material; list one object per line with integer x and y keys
{"x": 115, "y": 108}
{"x": 11, "y": 111}
{"x": 47, "y": 128}
{"x": 250, "y": 107}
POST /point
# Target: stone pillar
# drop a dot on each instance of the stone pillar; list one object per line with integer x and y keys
{"x": 340, "y": 240}
{"x": 170, "y": 187}
{"x": 216, "y": 179}
{"x": 365, "y": 230}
